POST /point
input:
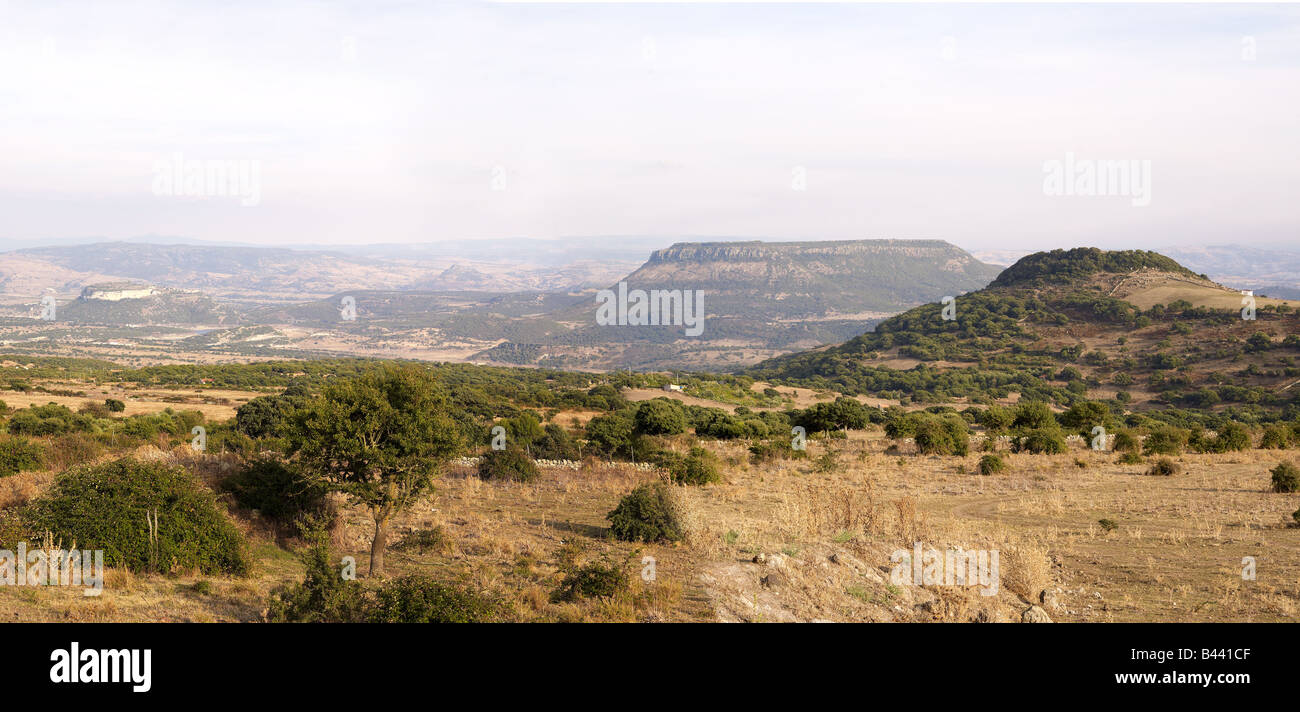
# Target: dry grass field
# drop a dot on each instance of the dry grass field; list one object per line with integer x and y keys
{"x": 806, "y": 540}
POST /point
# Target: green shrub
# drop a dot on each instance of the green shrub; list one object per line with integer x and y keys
{"x": 1040, "y": 441}
{"x": 996, "y": 419}
{"x": 1165, "y": 440}
{"x": 1164, "y": 467}
{"x": 20, "y": 455}
{"x": 1033, "y": 415}
{"x": 661, "y": 416}
{"x": 649, "y": 513}
{"x": 51, "y": 419}
{"x": 1130, "y": 458}
{"x": 598, "y": 579}
{"x": 105, "y": 507}
{"x": 1231, "y": 437}
{"x": 324, "y": 596}
{"x": 698, "y": 468}
{"x": 1276, "y": 437}
{"x": 114, "y": 405}
{"x": 418, "y": 599}
{"x": 277, "y": 489}
{"x": 942, "y": 435}
{"x": 1108, "y": 525}
{"x": 991, "y": 464}
{"x": 555, "y": 444}
{"x": 1286, "y": 477}
{"x": 511, "y": 463}
{"x": 1125, "y": 442}
{"x": 769, "y": 451}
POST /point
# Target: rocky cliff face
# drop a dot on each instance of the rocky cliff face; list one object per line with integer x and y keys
{"x": 801, "y": 279}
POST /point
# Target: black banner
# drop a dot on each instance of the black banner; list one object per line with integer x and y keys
{"x": 220, "y": 662}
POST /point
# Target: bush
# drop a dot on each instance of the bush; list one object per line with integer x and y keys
{"x": 942, "y": 435}
{"x": 1034, "y": 415}
{"x": 114, "y": 405}
{"x": 1232, "y": 437}
{"x": 991, "y": 464}
{"x": 1276, "y": 437}
{"x": 599, "y": 579}
{"x": 72, "y": 449}
{"x": 508, "y": 464}
{"x": 324, "y": 596}
{"x": 276, "y": 489}
{"x": 1040, "y": 441}
{"x": 649, "y": 513}
{"x": 1286, "y": 477}
{"x": 1165, "y": 440}
{"x": 417, "y": 599}
{"x": 660, "y": 416}
{"x": 20, "y": 455}
{"x": 611, "y": 434}
{"x": 1130, "y": 458}
{"x": 996, "y": 419}
{"x": 1125, "y": 442}
{"x": 52, "y": 419}
{"x": 1164, "y": 467}
{"x": 105, "y": 507}
{"x": 424, "y": 541}
{"x": 555, "y": 444}
{"x": 775, "y": 450}
{"x": 698, "y": 468}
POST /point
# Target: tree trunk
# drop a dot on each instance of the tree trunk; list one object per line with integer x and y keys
{"x": 379, "y": 544}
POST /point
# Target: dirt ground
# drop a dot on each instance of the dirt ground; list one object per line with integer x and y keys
{"x": 811, "y": 540}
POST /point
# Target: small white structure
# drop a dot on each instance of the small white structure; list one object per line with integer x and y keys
{"x": 672, "y": 387}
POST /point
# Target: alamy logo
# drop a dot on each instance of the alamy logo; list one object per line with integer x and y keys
{"x": 50, "y": 566}
{"x": 189, "y": 178}
{"x": 49, "y": 308}
{"x": 75, "y": 665}
{"x": 954, "y": 567}
{"x": 1248, "y": 306}
{"x": 1089, "y": 177}
{"x": 658, "y": 307}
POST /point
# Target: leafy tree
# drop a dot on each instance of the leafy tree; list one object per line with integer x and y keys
{"x": 611, "y": 435}
{"x": 996, "y": 418}
{"x": 660, "y": 416}
{"x": 1034, "y": 414}
{"x": 378, "y": 438}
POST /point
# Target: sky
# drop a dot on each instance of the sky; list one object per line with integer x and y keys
{"x": 394, "y": 122}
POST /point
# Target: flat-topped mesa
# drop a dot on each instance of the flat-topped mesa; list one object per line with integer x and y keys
{"x": 116, "y": 292}
{"x": 755, "y": 251}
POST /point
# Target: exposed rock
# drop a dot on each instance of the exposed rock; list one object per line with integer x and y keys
{"x": 1049, "y": 600}
{"x": 1034, "y": 614}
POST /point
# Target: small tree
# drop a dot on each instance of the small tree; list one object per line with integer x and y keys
{"x": 378, "y": 438}
{"x": 1286, "y": 477}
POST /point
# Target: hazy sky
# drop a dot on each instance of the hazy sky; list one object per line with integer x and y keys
{"x": 403, "y": 122}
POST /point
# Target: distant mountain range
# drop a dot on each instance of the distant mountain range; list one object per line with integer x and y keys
{"x": 279, "y": 275}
